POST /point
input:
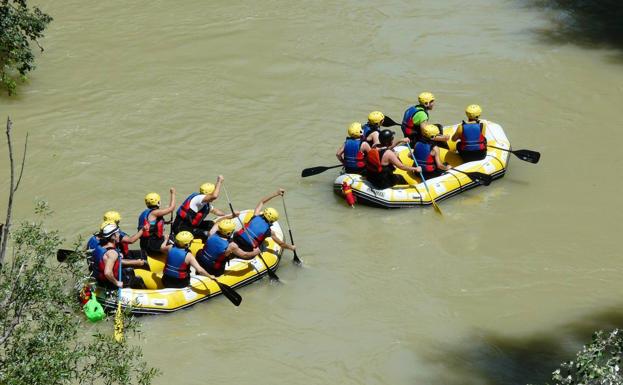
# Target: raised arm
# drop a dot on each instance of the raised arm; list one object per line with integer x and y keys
{"x": 162, "y": 212}
{"x": 217, "y": 189}
{"x": 260, "y": 205}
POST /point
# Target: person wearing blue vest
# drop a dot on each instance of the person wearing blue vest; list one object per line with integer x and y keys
{"x": 219, "y": 248}
{"x": 352, "y": 152}
{"x": 106, "y": 259}
{"x": 151, "y": 221}
{"x": 372, "y": 129}
{"x": 255, "y": 231}
{"x": 470, "y": 135}
{"x": 193, "y": 212}
{"x": 125, "y": 239}
{"x": 176, "y": 271}
{"x": 428, "y": 154}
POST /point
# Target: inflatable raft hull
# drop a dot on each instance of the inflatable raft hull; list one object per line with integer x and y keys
{"x": 157, "y": 299}
{"x": 442, "y": 187}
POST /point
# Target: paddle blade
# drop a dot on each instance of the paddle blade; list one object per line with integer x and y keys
{"x": 62, "y": 254}
{"x": 528, "y": 155}
{"x": 480, "y": 177}
{"x": 230, "y": 293}
{"x": 297, "y": 261}
{"x": 271, "y": 274}
{"x": 388, "y": 122}
{"x": 119, "y": 323}
{"x": 436, "y": 207}
{"x": 316, "y": 170}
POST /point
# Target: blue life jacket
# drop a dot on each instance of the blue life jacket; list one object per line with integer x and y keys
{"x": 214, "y": 253}
{"x": 423, "y": 156}
{"x": 93, "y": 242}
{"x": 472, "y": 138}
{"x": 258, "y": 228}
{"x": 367, "y": 130}
{"x": 99, "y": 265}
{"x": 176, "y": 266}
{"x": 407, "y": 120}
{"x": 353, "y": 157}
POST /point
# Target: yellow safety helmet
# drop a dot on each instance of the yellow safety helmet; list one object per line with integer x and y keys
{"x": 355, "y": 130}
{"x": 152, "y": 199}
{"x": 425, "y": 97}
{"x": 206, "y": 188}
{"x": 226, "y": 227}
{"x": 430, "y": 131}
{"x": 271, "y": 214}
{"x": 183, "y": 238}
{"x": 106, "y": 223}
{"x": 473, "y": 111}
{"x": 112, "y": 216}
{"x": 376, "y": 117}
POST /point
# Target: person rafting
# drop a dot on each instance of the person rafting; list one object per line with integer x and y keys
{"x": 192, "y": 213}
{"x": 125, "y": 239}
{"x": 255, "y": 231}
{"x": 416, "y": 118}
{"x": 219, "y": 248}
{"x": 470, "y": 135}
{"x": 106, "y": 259}
{"x": 382, "y": 161}
{"x": 176, "y": 273}
{"x": 352, "y": 152}
{"x": 372, "y": 129}
{"x": 427, "y": 153}
{"x": 151, "y": 221}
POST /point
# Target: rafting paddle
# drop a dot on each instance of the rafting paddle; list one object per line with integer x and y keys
{"x": 525, "y": 155}
{"x": 388, "y": 122}
{"x": 271, "y": 273}
{"x": 119, "y": 314}
{"x": 437, "y": 209}
{"x": 296, "y": 259}
{"x": 479, "y": 177}
{"x": 317, "y": 170}
{"x": 229, "y": 292}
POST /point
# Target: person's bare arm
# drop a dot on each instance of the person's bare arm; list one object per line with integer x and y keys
{"x": 261, "y": 203}
{"x": 365, "y": 147}
{"x": 217, "y": 212}
{"x": 340, "y": 154}
{"x": 457, "y": 133}
{"x": 393, "y": 159}
{"x": 238, "y": 252}
{"x": 403, "y": 140}
{"x": 217, "y": 189}
{"x": 111, "y": 256}
{"x": 162, "y": 212}
{"x": 440, "y": 165}
{"x": 133, "y": 262}
{"x": 281, "y": 243}
{"x": 374, "y": 138}
{"x": 190, "y": 259}
{"x": 133, "y": 238}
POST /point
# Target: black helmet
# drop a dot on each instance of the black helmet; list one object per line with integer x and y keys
{"x": 386, "y": 137}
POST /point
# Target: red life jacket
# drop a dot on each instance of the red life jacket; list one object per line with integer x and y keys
{"x": 190, "y": 216}
{"x": 373, "y": 161}
{"x": 151, "y": 229}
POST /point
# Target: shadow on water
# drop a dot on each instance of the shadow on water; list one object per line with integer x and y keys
{"x": 489, "y": 359}
{"x": 588, "y": 23}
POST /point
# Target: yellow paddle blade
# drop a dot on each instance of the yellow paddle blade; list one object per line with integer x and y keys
{"x": 119, "y": 324}
{"x": 436, "y": 207}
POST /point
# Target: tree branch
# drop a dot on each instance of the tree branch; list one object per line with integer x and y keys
{"x": 21, "y": 171}
{"x": 7, "y": 222}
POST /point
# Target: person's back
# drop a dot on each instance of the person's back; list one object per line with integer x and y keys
{"x": 470, "y": 135}
{"x": 253, "y": 233}
{"x": 427, "y": 153}
{"x": 176, "y": 271}
{"x": 382, "y": 162}
{"x": 352, "y": 152}
{"x": 215, "y": 253}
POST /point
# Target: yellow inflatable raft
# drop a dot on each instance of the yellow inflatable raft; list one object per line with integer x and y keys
{"x": 157, "y": 299}
{"x": 441, "y": 187}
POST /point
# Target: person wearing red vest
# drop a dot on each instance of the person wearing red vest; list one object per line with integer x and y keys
{"x": 106, "y": 259}
{"x": 151, "y": 221}
{"x": 427, "y": 153}
{"x": 259, "y": 227}
{"x": 470, "y": 135}
{"x": 352, "y": 152}
{"x": 192, "y": 213}
{"x": 382, "y": 162}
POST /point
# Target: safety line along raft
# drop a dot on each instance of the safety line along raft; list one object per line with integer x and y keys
{"x": 157, "y": 299}
{"x": 444, "y": 186}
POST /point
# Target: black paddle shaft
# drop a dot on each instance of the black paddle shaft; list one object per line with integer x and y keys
{"x": 230, "y": 293}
